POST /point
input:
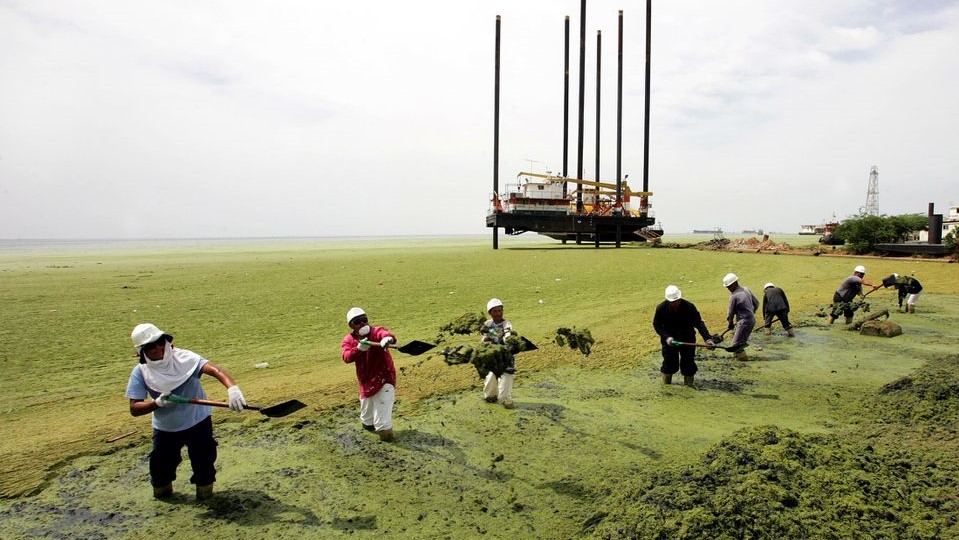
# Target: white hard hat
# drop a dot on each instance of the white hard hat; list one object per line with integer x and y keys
{"x": 861, "y": 269}
{"x": 673, "y": 293}
{"x": 353, "y": 313}
{"x": 729, "y": 279}
{"x": 768, "y": 285}
{"x": 146, "y": 333}
{"x": 494, "y": 302}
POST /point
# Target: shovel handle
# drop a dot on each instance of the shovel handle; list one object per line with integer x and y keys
{"x": 684, "y": 344}
{"x": 193, "y": 401}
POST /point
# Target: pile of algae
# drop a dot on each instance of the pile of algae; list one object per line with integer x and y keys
{"x": 885, "y": 480}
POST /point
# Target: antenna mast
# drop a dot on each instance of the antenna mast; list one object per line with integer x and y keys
{"x": 872, "y": 193}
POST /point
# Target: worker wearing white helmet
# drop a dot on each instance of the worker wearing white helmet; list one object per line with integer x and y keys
{"x": 498, "y": 387}
{"x": 741, "y": 314}
{"x": 908, "y": 287}
{"x": 776, "y": 306}
{"x": 170, "y": 375}
{"x": 847, "y": 292}
{"x": 367, "y": 348}
{"x": 676, "y": 321}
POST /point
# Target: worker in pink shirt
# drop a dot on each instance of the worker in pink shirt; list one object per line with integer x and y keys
{"x": 367, "y": 347}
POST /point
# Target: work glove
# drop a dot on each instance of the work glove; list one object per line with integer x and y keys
{"x": 385, "y": 342}
{"x": 710, "y": 344}
{"x": 670, "y": 341}
{"x": 237, "y": 402}
{"x": 364, "y": 345}
{"x": 162, "y": 400}
{"x": 716, "y": 338}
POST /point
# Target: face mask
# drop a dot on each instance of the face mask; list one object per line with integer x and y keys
{"x": 365, "y": 330}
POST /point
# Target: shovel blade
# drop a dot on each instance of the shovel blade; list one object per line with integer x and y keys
{"x": 527, "y": 344}
{"x": 415, "y": 348}
{"x": 283, "y": 409}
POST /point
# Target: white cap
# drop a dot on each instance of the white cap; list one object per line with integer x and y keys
{"x": 353, "y": 313}
{"x": 729, "y": 279}
{"x": 673, "y": 293}
{"x": 895, "y": 276}
{"x": 145, "y": 333}
{"x": 494, "y": 302}
{"x": 768, "y": 285}
{"x": 861, "y": 269}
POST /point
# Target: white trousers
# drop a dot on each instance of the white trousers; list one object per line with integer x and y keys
{"x": 912, "y": 299}
{"x": 377, "y": 410}
{"x": 501, "y": 388}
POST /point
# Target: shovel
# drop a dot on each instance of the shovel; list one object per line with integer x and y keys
{"x": 728, "y": 349}
{"x": 413, "y": 348}
{"x": 527, "y": 344}
{"x": 275, "y": 411}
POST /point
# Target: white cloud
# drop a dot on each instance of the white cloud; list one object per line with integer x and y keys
{"x": 145, "y": 119}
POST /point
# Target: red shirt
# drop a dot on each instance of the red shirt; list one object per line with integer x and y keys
{"x": 374, "y": 367}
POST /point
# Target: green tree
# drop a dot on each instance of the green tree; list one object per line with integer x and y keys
{"x": 907, "y": 223}
{"x": 861, "y": 233}
{"x": 952, "y": 240}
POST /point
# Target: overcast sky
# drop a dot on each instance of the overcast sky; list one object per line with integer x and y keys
{"x": 190, "y": 118}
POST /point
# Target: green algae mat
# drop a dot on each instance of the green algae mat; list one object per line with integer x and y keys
{"x": 830, "y": 434}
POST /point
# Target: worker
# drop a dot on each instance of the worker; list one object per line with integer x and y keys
{"x": 741, "y": 314}
{"x": 165, "y": 372}
{"x": 676, "y": 321}
{"x": 367, "y": 348}
{"x": 847, "y": 291}
{"x": 775, "y": 304}
{"x": 908, "y": 287}
{"x": 498, "y": 387}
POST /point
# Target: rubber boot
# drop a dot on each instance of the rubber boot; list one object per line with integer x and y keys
{"x": 508, "y": 403}
{"x": 162, "y": 492}
{"x": 740, "y": 355}
{"x": 386, "y": 435}
{"x": 688, "y": 381}
{"x": 368, "y": 427}
{"x": 848, "y": 320}
{"x": 204, "y": 492}
{"x": 667, "y": 378}
{"x": 790, "y": 333}
{"x": 911, "y": 309}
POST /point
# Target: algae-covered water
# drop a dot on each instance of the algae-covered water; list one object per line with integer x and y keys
{"x": 826, "y": 435}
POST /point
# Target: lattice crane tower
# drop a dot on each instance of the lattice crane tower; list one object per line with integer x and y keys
{"x": 872, "y": 193}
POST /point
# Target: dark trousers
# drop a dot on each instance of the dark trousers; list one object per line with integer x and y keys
{"x": 682, "y": 359}
{"x": 200, "y": 445}
{"x": 783, "y": 318}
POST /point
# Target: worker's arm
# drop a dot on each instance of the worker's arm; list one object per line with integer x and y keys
{"x": 221, "y": 374}
{"x": 236, "y": 399}
{"x": 139, "y": 407}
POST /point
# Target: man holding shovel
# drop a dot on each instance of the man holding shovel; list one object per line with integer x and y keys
{"x": 742, "y": 307}
{"x": 164, "y": 370}
{"x": 676, "y": 320}
{"x": 496, "y": 330}
{"x": 908, "y": 288}
{"x": 367, "y": 348}
{"x": 776, "y": 306}
{"x": 847, "y": 291}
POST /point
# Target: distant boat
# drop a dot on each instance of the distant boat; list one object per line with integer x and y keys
{"x": 752, "y": 231}
{"x": 717, "y": 230}
{"x": 812, "y": 229}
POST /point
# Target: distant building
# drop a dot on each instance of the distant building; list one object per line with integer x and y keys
{"x": 951, "y": 220}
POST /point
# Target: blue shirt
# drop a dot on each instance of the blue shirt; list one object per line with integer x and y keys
{"x": 177, "y": 417}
